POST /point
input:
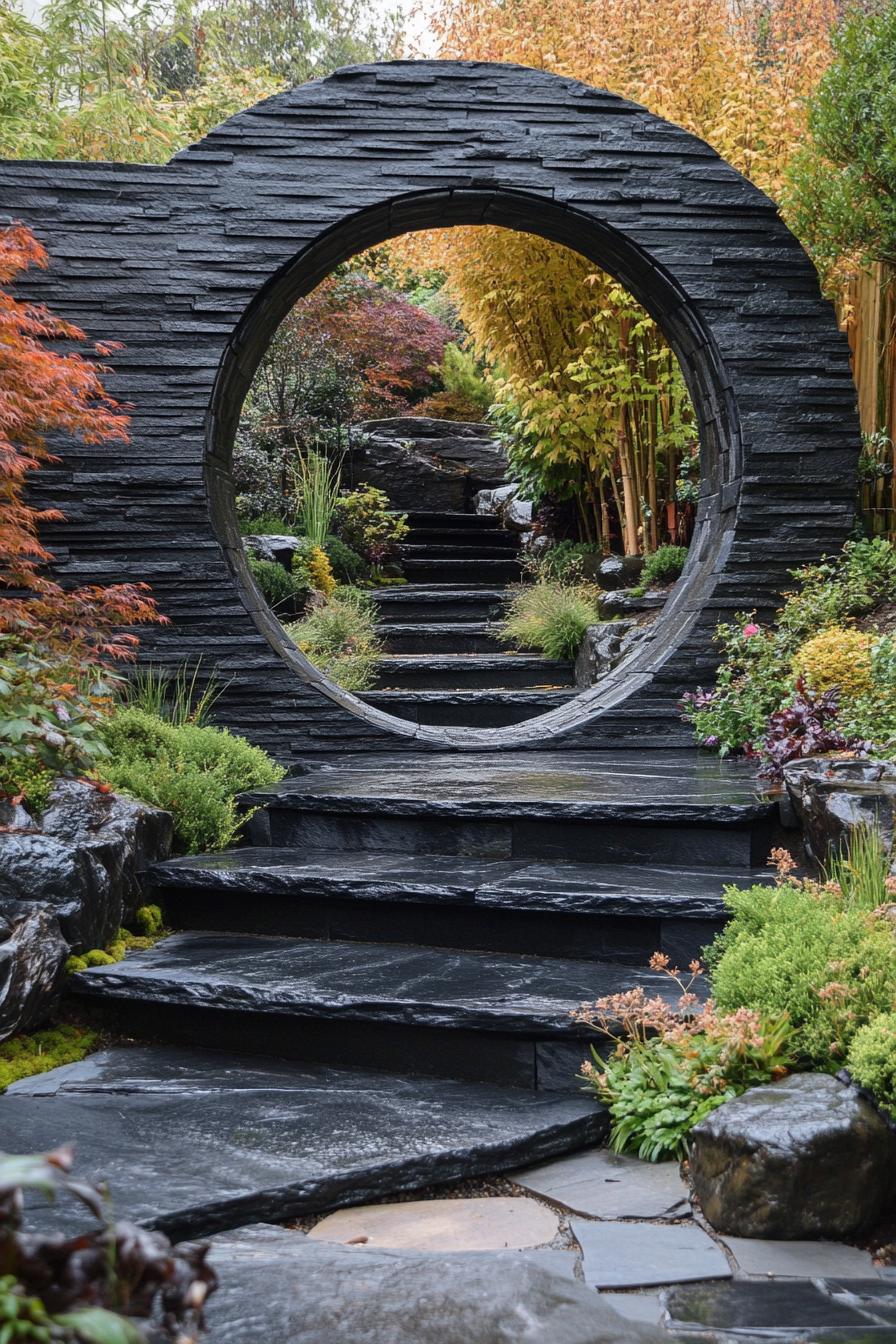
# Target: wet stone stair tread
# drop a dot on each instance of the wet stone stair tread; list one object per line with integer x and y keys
{"x": 439, "y": 634}
{"x": 424, "y": 955}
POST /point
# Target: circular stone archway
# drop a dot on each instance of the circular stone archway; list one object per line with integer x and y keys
{"x": 205, "y": 256}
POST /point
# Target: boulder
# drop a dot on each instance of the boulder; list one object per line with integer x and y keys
{"x": 799, "y": 1159}
{"x": 619, "y": 571}
{"x": 277, "y": 1285}
{"x": 626, "y": 603}
{"x": 32, "y": 965}
{"x": 832, "y": 798}
{"x": 473, "y": 447}
{"x": 412, "y": 479}
{"x": 517, "y": 514}
{"x": 277, "y": 548}
{"x": 601, "y": 649}
{"x": 88, "y": 861}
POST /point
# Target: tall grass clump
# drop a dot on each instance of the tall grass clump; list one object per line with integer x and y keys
{"x": 316, "y": 484}
{"x": 178, "y": 697}
{"x": 340, "y": 638}
{"x": 550, "y": 617}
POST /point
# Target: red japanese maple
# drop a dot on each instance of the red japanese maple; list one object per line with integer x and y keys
{"x": 43, "y": 392}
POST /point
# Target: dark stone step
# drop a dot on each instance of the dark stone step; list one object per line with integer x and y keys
{"x": 195, "y": 1141}
{"x": 472, "y": 671}
{"x": 595, "y": 912}
{"x": 470, "y": 552}
{"x": 420, "y": 602}
{"x": 653, "y": 807}
{"x": 472, "y": 709}
{"x": 475, "y": 1015}
{"x": 475, "y": 536}
{"x": 462, "y": 571}
{"x": 467, "y": 522}
{"x": 442, "y": 637}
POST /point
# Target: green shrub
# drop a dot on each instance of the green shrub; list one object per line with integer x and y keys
{"x": 872, "y": 1060}
{"x": 348, "y": 566}
{"x": 28, "y": 777}
{"x": 550, "y": 616}
{"x": 279, "y": 587}
{"x": 340, "y": 638}
{"x": 364, "y": 520}
{"x": 265, "y": 525}
{"x": 872, "y": 716}
{"x": 799, "y": 948}
{"x": 564, "y": 560}
{"x": 178, "y": 697}
{"x": 192, "y": 771}
{"x": 664, "y": 565}
{"x": 24, "y": 1056}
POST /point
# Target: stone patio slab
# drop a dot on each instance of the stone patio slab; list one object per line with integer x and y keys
{"x": 641, "y": 1255}
{"x": 752, "y": 1306}
{"x": 315, "y": 1292}
{"x": 194, "y": 1142}
{"x": 478, "y": 1224}
{"x": 799, "y": 1259}
{"x": 602, "y": 1184}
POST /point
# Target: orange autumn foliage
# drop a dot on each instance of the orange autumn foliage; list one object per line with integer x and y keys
{"x": 44, "y": 392}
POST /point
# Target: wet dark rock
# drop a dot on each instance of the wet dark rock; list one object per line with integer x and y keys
{"x": 620, "y": 571}
{"x": 32, "y": 965}
{"x": 15, "y": 817}
{"x": 426, "y": 464}
{"x": 762, "y": 1306}
{"x": 279, "y": 1286}
{"x": 88, "y": 862}
{"x": 194, "y": 1141}
{"x": 802, "y": 1158}
{"x": 833, "y": 798}
{"x": 517, "y": 515}
{"x": 624, "y": 602}
{"x": 601, "y": 649}
{"x": 278, "y": 548}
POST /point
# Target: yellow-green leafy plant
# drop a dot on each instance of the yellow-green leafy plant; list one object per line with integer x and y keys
{"x": 872, "y": 1059}
{"x": 193, "y": 771}
{"x": 40, "y": 1051}
{"x": 838, "y": 658}
{"x": 804, "y": 948}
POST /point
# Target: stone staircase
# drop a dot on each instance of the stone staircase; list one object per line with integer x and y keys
{"x": 375, "y": 992}
{"x": 441, "y": 915}
{"x": 443, "y": 665}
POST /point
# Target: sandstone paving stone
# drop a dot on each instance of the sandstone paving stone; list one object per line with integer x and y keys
{"x": 750, "y": 1306}
{"x": 316, "y": 1292}
{"x": 478, "y": 1224}
{"x": 640, "y": 1255}
{"x": 799, "y": 1259}
{"x": 194, "y": 1141}
{"x": 602, "y": 1184}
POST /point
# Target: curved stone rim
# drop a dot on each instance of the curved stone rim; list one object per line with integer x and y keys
{"x": 657, "y": 291}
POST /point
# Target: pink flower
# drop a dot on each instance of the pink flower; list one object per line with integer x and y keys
{"x": 750, "y": 630}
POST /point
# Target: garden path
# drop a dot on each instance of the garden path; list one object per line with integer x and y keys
{"x": 443, "y": 663}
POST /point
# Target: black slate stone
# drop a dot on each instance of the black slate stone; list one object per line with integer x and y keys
{"x": 561, "y": 888}
{"x": 193, "y": 1142}
{"x": 363, "y": 982}
{"x": 632, "y": 786}
{"x": 797, "y": 1305}
{"x": 192, "y": 264}
{"x": 276, "y": 1286}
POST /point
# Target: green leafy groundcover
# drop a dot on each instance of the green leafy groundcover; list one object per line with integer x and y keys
{"x": 24, "y": 1056}
{"x": 191, "y": 770}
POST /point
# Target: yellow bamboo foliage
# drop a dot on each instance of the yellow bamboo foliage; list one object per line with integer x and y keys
{"x": 837, "y": 657}
{"x": 736, "y": 73}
